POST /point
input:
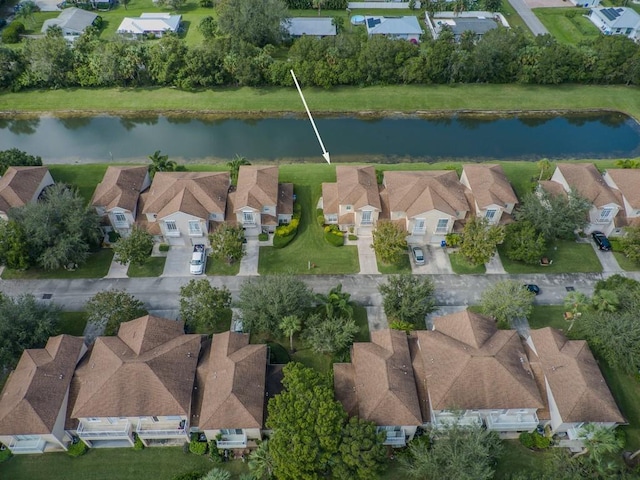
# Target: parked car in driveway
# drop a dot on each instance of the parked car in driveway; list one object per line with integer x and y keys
{"x": 601, "y": 241}
{"x": 198, "y": 260}
{"x": 418, "y": 255}
{"x": 533, "y": 288}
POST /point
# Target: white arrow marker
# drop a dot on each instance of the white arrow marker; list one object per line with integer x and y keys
{"x": 325, "y": 154}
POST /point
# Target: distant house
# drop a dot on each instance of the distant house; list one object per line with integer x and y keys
{"x": 116, "y": 197}
{"x": 138, "y": 381}
{"x": 476, "y": 374}
{"x": 493, "y": 195}
{"x": 575, "y": 391}
{"x": 149, "y": 24}
{"x": 585, "y": 3}
{"x": 318, "y": 27}
{"x": 378, "y": 385}
{"x": 625, "y": 181}
{"x": 231, "y": 391}
{"x": 616, "y": 21}
{"x": 259, "y": 202}
{"x": 405, "y": 28}
{"x": 22, "y": 185}
{"x": 478, "y": 23}
{"x": 180, "y": 206}
{"x": 585, "y": 179}
{"x": 428, "y": 204}
{"x": 353, "y": 200}
{"x": 72, "y": 21}
{"x": 33, "y": 402}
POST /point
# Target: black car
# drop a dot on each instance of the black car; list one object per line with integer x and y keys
{"x": 601, "y": 241}
{"x": 533, "y": 288}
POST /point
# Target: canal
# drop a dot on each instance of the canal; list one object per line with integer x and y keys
{"x": 384, "y": 140}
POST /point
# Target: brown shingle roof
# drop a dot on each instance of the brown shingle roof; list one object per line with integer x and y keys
{"x": 578, "y": 387}
{"x": 18, "y": 186}
{"x": 33, "y": 395}
{"x": 588, "y": 182}
{"x": 120, "y": 187}
{"x": 470, "y": 364}
{"x": 628, "y": 182}
{"x": 194, "y": 193}
{"x": 257, "y": 187}
{"x": 330, "y": 198}
{"x": 423, "y": 191}
{"x": 552, "y": 188}
{"x": 383, "y": 379}
{"x": 357, "y": 186}
{"x": 285, "y": 199}
{"x": 233, "y": 376}
{"x": 148, "y": 369}
{"x": 489, "y": 185}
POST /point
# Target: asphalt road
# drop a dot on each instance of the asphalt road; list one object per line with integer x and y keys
{"x": 522, "y": 9}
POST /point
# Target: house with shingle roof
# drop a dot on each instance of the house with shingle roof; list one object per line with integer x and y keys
{"x": 141, "y": 381}
{"x": 259, "y": 203}
{"x": 181, "y": 208}
{"x": 627, "y": 182}
{"x": 616, "y": 21}
{"x": 353, "y": 200}
{"x": 586, "y": 180}
{"x": 318, "y": 27}
{"x": 428, "y": 204}
{"x": 379, "y": 385}
{"x": 156, "y": 24}
{"x": 116, "y": 196}
{"x": 22, "y": 185}
{"x": 72, "y": 21}
{"x": 231, "y": 380}
{"x": 404, "y": 28}
{"x": 573, "y": 386}
{"x": 33, "y": 402}
{"x": 493, "y": 195}
{"x": 477, "y": 374}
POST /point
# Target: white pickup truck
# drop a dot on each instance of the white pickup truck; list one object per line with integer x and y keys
{"x": 198, "y": 260}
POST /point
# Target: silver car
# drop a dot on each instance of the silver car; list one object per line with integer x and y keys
{"x": 418, "y": 255}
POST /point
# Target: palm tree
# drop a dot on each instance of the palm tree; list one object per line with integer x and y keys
{"x": 261, "y": 462}
{"x": 319, "y": 4}
{"x": 217, "y": 474}
{"x": 605, "y": 301}
{"x": 290, "y": 325}
{"x": 627, "y": 163}
{"x": 161, "y": 163}
{"x": 337, "y": 303}
{"x": 234, "y": 166}
{"x": 600, "y": 441}
{"x": 575, "y": 302}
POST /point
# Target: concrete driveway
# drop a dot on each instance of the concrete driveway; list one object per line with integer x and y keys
{"x": 249, "y": 263}
{"x": 366, "y": 256}
{"x": 437, "y": 261}
{"x": 522, "y": 9}
{"x": 177, "y": 264}
{"x": 607, "y": 259}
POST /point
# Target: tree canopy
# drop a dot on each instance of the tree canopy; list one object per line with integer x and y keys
{"x": 480, "y": 240}
{"x": 507, "y": 301}
{"x": 329, "y": 334}
{"x": 407, "y": 298}
{"x": 361, "y": 454}
{"x": 226, "y": 243}
{"x": 202, "y": 306}
{"x": 110, "y": 308}
{"x": 135, "y": 248}
{"x": 17, "y": 158}
{"x": 258, "y": 22}
{"x": 389, "y": 241}
{"x": 523, "y": 243}
{"x": 161, "y": 163}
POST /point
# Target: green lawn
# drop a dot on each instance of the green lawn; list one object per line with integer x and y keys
{"x": 461, "y": 267}
{"x": 567, "y": 25}
{"x": 215, "y": 267}
{"x": 625, "y": 263}
{"x": 84, "y": 177}
{"x": 159, "y": 463}
{"x": 515, "y": 20}
{"x": 516, "y": 458}
{"x": 153, "y": 267}
{"x": 97, "y": 266}
{"x": 404, "y": 266}
{"x": 567, "y": 255}
{"x": 72, "y": 323}
{"x": 548, "y": 316}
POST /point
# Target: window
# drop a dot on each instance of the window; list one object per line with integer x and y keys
{"x": 94, "y": 420}
{"x": 419, "y": 227}
{"x": 442, "y": 225}
{"x": 332, "y": 217}
{"x": 231, "y": 431}
{"x": 605, "y": 214}
{"x": 347, "y": 207}
{"x": 120, "y": 219}
{"x": 490, "y": 215}
{"x": 265, "y": 209}
{"x": 155, "y": 419}
{"x": 26, "y": 437}
{"x": 194, "y": 227}
{"x": 366, "y": 217}
{"x": 247, "y": 217}
{"x": 171, "y": 228}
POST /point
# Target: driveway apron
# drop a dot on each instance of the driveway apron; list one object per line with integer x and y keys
{"x": 249, "y": 263}
{"x": 177, "y": 264}
{"x": 366, "y": 256}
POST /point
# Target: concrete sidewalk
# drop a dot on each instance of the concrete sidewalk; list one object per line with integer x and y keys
{"x": 494, "y": 266}
{"x": 117, "y": 270}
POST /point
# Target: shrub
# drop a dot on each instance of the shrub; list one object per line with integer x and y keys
{"x": 453, "y": 239}
{"x": 77, "y": 449}
{"x": 113, "y": 236}
{"x": 137, "y": 444}
{"x": 164, "y": 247}
{"x": 281, "y": 242}
{"x": 214, "y": 453}
{"x": 195, "y": 475}
{"x": 11, "y": 34}
{"x": 353, "y": 237}
{"x": 333, "y": 235}
{"x": 286, "y": 230}
{"x": 5, "y": 455}
{"x": 198, "y": 448}
{"x": 320, "y": 220}
{"x": 616, "y": 246}
{"x": 297, "y": 211}
{"x": 534, "y": 440}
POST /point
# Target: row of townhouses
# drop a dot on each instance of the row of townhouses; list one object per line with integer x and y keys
{"x": 154, "y": 380}
{"x": 182, "y": 208}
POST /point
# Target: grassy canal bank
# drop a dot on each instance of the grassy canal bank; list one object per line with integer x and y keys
{"x": 387, "y": 99}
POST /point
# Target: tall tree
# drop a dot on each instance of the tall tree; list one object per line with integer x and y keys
{"x": 389, "y": 242}
{"x": 307, "y": 425}
{"x": 226, "y": 243}
{"x": 290, "y": 325}
{"x": 202, "y": 306}
{"x": 507, "y": 301}
{"x": 336, "y": 303}
{"x": 265, "y": 300}
{"x": 576, "y": 303}
{"x": 109, "y": 308}
{"x": 523, "y": 243}
{"x": 17, "y": 158}
{"x": 261, "y": 462}
{"x": 361, "y": 454}
{"x": 234, "y": 167}
{"x": 135, "y": 248}
{"x": 407, "y": 298}
{"x": 480, "y": 240}
{"x": 24, "y": 323}
{"x": 258, "y": 22}
{"x": 14, "y": 249}
{"x": 48, "y": 61}
{"x": 59, "y": 229}
{"x": 329, "y": 335}
{"x": 601, "y": 441}
{"x": 630, "y": 244}
{"x": 161, "y": 163}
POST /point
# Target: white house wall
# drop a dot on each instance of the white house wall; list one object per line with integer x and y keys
{"x": 182, "y": 223}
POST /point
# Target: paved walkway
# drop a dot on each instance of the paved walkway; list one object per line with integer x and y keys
{"x": 117, "y": 270}
{"x": 366, "y": 255}
{"x": 494, "y": 266}
{"x": 522, "y": 9}
{"x": 249, "y": 263}
{"x": 177, "y": 264}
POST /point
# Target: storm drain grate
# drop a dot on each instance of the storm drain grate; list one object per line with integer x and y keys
{"x": 570, "y": 289}
{"x": 47, "y": 296}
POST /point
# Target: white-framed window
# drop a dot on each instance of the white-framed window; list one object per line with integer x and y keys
{"x": 419, "y": 227}
{"x": 247, "y": 218}
{"x": 155, "y": 419}
{"x": 367, "y": 217}
{"x": 120, "y": 219}
{"x": 265, "y": 209}
{"x": 194, "y": 228}
{"x": 26, "y": 438}
{"x": 94, "y": 420}
{"x": 332, "y": 217}
{"x": 347, "y": 207}
{"x": 231, "y": 431}
{"x": 443, "y": 223}
{"x": 605, "y": 214}
{"x": 171, "y": 228}
{"x": 490, "y": 215}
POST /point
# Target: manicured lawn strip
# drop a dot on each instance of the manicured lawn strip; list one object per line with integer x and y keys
{"x": 568, "y": 257}
{"x": 515, "y": 20}
{"x": 84, "y": 177}
{"x": 626, "y": 391}
{"x": 548, "y": 316}
{"x": 461, "y": 267}
{"x": 153, "y": 267}
{"x": 625, "y": 263}
{"x": 72, "y": 323}
{"x": 215, "y": 267}
{"x": 397, "y": 98}
{"x": 97, "y": 266}
{"x": 224, "y": 322}
{"x": 404, "y": 266}
{"x": 360, "y": 316}
{"x": 159, "y": 463}
{"x": 567, "y": 25}
{"x": 516, "y": 458}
